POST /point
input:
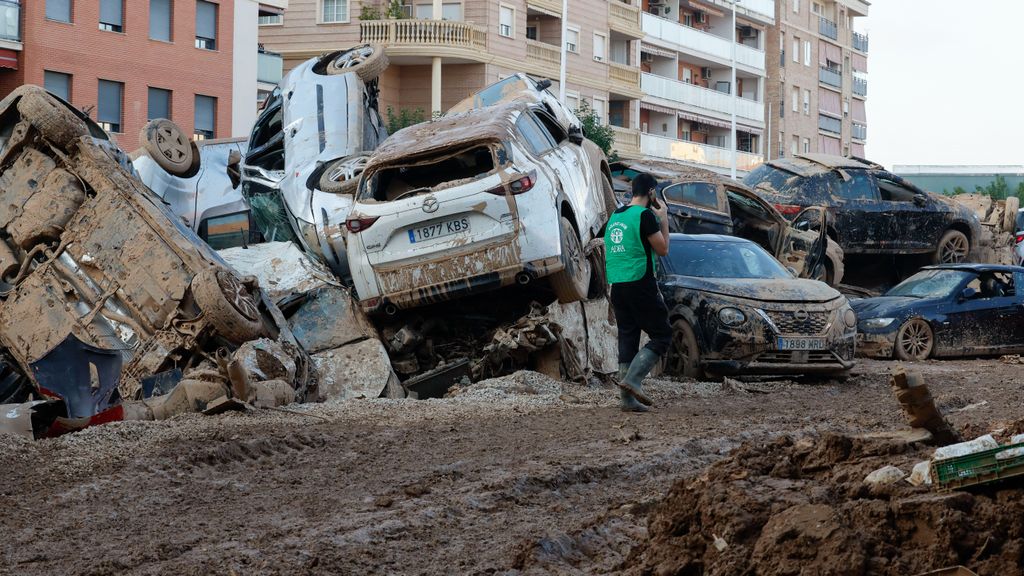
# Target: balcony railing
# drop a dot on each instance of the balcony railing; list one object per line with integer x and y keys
{"x": 701, "y": 43}
{"x": 542, "y": 53}
{"x": 827, "y": 28}
{"x": 830, "y": 124}
{"x": 10, "y": 20}
{"x": 422, "y": 33}
{"x": 651, "y": 145}
{"x": 624, "y": 18}
{"x": 269, "y": 67}
{"x": 830, "y": 76}
{"x": 700, "y": 97}
{"x": 860, "y": 42}
{"x": 622, "y": 75}
{"x": 860, "y": 87}
{"x": 627, "y": 141}
{"x": 859, "y": 131}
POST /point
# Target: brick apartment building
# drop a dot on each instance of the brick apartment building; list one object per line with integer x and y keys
{"x": 127, "y": 61}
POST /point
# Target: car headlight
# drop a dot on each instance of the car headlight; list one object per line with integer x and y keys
{"x": 850, "y": 318}
{"x": 874, "y": 323}
{"x": 731, "y": 316}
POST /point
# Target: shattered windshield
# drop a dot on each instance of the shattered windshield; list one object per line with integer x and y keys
{"x": 723, "y": 260}
{"x": 931, "y": 284}
{"x": 491, "y": 95}
{"x": 771, "y": 179}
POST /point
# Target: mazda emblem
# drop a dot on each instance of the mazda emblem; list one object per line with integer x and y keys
{"x": 800, "y": 315}
{"x": 430, "y": 204}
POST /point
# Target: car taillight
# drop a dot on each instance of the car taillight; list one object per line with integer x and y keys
{"x": 356, "y": 225}
{"x": 788, "y": 209}
{"x": 523, "y": 184}
{"x": 1020, "y": 238}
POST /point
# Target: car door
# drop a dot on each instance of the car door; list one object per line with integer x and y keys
{"x": 915, "y": 222}
{"x": 569, "y": 162}
{"x": 857, "y": 214}
{"x": 1013, "y": 316}
{"x": 981, "y": 323}
{"x": 696, "y": 208}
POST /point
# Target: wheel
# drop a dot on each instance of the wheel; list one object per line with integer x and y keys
{"x": 170, "y": 148}
{"x": 572, "y": 281}
{"x": 953, "y": 248}
{"x": 598, "y": 278}
{"x": 1010, "y": 214}
{"x": 914, "y": 340}
{"x": 367, "y": 61}
{"x": 683, "y": 356}
{"x": 228, "y": 305}
{"x": 342, "y": 176}
{"x": 53, "y": 120}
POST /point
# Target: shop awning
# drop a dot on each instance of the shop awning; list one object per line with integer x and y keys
{"x": 8, "y": 59}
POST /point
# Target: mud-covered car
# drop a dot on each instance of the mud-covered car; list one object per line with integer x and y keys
{"x": 871, "y": 211}
{"x": 308, "y": 147}
{"x": 703, "y": 202}
{"x": 102, "y": 285}
{"x": 1018, "y": 238}
{"x": 476, "y": 201}
{"x": 735, "y": 309}
{"x": 944, "y": 311}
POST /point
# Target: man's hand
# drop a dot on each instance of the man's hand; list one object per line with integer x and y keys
{"x": 661, "y": 211}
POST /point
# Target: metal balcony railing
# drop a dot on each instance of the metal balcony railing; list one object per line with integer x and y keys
{"x": 269, "y": 67}
{"x": 830, "y": 124}
{"x": 859, "y": 131}
{"x": 860, "y": 42}
{"x": 830, "y": 76}
{"x": 827, "y": 28}
{"x": 10, "y": 20}
{"x": 860, "y": 87}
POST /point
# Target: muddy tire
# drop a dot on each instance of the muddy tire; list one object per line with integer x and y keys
{"x": 367, "y": 61}
{"x": 598, "y": 276}
{"x": 1010, "y": 214}
{"x": 230, "y": 308}
{"x": 683, "y": 357}
{"x": 953, "y": 248}
{"x": 342, "y": 176}
{"x": 51, "y": 118}
{"x": 170, "y": 148}
{"x": 915, "y": 340}
{"x": 573, "y": 280}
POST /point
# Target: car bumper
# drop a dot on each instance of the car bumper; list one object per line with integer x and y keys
{"x": 875, "y": 345}
{"x": 760, "y": 357}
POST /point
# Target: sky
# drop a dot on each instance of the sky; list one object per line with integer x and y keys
{"x": 945, "y": 82}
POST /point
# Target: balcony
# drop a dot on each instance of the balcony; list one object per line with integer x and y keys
{"x": 830, "y": 76}
{"x": 545, "y": 56}
{"x": 701, "y": 43}
{"x": 627, "y": 141}
{"x": 269, "y": 67}
{"x": 859, "y": 131}
{"x": 412, "y": 36}
{"x": 830, "y": 124}
{"x": 624, "y": 78}
{"x": 860, "y": 87}
{"x": 10, "y": 20}
{"x": 860, "y": 42}
{"x": 624, "y": 19}
{"x": 827, "y": 28}
{"x": 651, "y": 145}
{"x": 551, "y": 7}
{"x": 699, "y": 97}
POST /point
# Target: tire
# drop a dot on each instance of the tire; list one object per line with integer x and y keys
{"x": 598, "y": 277}
{"x": 367, "y": 61}
{"x": 683, "y": 358}
{"x": 342, "y": 175}
{"x": 51, "y": 118}
{"x": 573, "y": 280}
{"x": 953, "y": 248}
{"x": 1010, "y": 214}
{"x": 915, "y": 340}
{"x": 228, "y": 305}
{"x": 610, "y": 204}
{"x": 168, "y": 146}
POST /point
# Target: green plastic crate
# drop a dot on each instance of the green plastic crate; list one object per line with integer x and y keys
{"x": 977, "y": 468}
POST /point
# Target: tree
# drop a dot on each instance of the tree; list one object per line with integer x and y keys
{"x": 998, "y": 189}
{"x": 1020, "y": 191}
{"x": 404, "y": 118}
{"x": 598, "y": 133}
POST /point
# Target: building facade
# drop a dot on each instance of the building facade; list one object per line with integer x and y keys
{"x": 126, "y": 62}
{"x": 818, "y": 79}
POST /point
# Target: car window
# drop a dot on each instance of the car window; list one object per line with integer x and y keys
{"x": 860, "y": 186}
{"x": 993, "y": 285}
{"x": 739, "y": 259}
{"x": 694, "y": 193}
{"x": 1020, "y": 220}
{"x": 892, "y": 191}
{"x": 493, "y": 94}
{"x": 535, "y": 136}
{"x": 551, "y": 127}
{"x": 227, "y": 231}
{"x": 771, "y": 179}
{"x": 931, "y": 283}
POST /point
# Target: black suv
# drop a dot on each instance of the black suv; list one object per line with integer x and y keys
{"x": 873, "y": 211}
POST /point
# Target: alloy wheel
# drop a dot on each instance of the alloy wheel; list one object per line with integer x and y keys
{"x": 954, "y": 250}
{"x": 239, "y": 297}
{"x": 915, "y": 339}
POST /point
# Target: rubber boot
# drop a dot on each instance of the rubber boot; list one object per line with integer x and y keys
{"x": 641, "y": 365}
{"x": 626, "y": 401}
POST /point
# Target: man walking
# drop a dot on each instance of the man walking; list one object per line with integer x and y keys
{"x": 635, "y": 235}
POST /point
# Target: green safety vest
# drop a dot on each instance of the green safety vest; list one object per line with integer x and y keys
{"x": 625, "y": 256}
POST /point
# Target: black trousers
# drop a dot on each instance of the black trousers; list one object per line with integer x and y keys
{"x": 639, "y": 307}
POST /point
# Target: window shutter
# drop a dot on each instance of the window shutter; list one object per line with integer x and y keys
{"x": 109, "y": 106}
{"x": 205, "y": 112}
{"x": 110, "y": 12}
{"x": 206, "y": 20}
{"x": 160, "y": 20}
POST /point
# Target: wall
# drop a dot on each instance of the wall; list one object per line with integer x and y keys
{"x": 246, "y": 46}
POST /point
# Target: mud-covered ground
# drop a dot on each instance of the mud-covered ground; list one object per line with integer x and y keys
{"x": 520, "y": 475}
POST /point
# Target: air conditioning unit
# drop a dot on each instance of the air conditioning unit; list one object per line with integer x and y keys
{"x": 701, "y": 17}
{"x": 748, "y": 32}
{"x": 656, "y": 3}
{"x": 646, "y": 57}
{"x": 705, "y": 73}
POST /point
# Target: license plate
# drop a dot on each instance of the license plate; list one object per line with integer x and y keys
{"x": 800, "y": 344}
{"x": 438, "y": 229}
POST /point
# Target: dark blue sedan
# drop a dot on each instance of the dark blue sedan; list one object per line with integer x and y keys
{"x": 943, "y": 311}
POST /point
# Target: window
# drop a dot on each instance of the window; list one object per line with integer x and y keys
{"x": 333, "y": 11}
{"x": 807, "y": 53}
{"x": 531, "y": 32}
{"x": 506, "y": 21}
{"x": 572, "y": 101}
{"x": 271, "y": 20}
{"x": 228, "y": 231}
{"x": 58, "y": 83}
{"x": 782, "y": 144}
{"x": 599, "y": 47}
{"x": 796, "y": 6}
{"x": 816, "y": 8}
{"x": 796, "y": 98}
{"x": 59, "y": 10}
{"x": 534, "y": 135}
{"x": 600, "y": 110}
{"x": 449, "y": 11}
{"x": 807, "y": 102}
{"x": 108, "y": 107}
{"x": 846, "y": 108}
{"x": 795, "y": 147}
{"x": 693, "y": 193}
{"x": 807, "y": 145}
{"x": 206, "y": 117}
{"x": 858, "y": 187}
{"x": 159, "y": 105}
{"x": 552, "y": 128}
{"x": 160, "y": 20}
{"x": 687, "y": 76}
{"x": 572, "y": 40}
{"x": 206, "y": 25}
{"x": 112, "y": 15}
{"x": 796, "y": 49}
{"x": 688, "y": 20}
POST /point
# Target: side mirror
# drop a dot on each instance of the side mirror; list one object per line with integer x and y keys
{"x": 966, "y": 294}
{"x": 543, "y": 85}
{"x": 576, "y": 135}
{"x": 920, "y": 199}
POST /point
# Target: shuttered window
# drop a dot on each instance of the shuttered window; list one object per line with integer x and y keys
{"x": 59, "y": 10}
{"x": 58, "y": 83}
{"x": 206, "y": 25}
{"x": 112, "y": 15}
{"x": 160, "y": 20}
{"x": 159, "y": 105}
{"x": 109, "y": 105}
{"x": 206, "y": 117}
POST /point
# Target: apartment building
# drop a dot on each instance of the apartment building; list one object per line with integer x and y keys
{"x": 126, "y": 62}
{"x": 443, "y": 50}
{"x": 818, "y": 78}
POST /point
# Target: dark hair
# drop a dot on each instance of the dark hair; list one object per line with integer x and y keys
{"x": 643, "y": 184}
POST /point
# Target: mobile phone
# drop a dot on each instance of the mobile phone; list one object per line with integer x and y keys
{"x": 654, "y": 201}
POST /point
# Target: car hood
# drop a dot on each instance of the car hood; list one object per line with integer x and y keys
{"x": 764, "y": 290}
{"x": 884, "y": 306}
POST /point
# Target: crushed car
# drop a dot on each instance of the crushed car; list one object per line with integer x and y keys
{"x": 105, "y": 290}
{"x": 945, "y": 311}
{"x": 703, "y": 202}
{"x": 1018, "y": 237}
{"x": 872, "y": 211}
{"x": 735, "y": 310}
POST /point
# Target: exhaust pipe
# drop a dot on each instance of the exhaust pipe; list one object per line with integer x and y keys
{"x": 390, "y": 309}
{"x": 523, "y": 278}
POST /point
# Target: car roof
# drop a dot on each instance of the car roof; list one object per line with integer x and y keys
{"x": 707, "y": 238}
{"x": 807, "y": 164}
{"x": 977, "y": 268}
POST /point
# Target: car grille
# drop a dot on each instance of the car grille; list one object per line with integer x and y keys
{"x": 788, "y": 323}
{"x": 786, "y": 357}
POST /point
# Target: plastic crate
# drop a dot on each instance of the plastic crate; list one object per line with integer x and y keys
{"x": 977, "y": 468}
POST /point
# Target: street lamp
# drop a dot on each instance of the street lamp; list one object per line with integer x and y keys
{"x": 734, "y": 90}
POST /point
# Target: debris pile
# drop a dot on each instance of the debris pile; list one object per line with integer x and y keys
{"x": 998, "y": 225}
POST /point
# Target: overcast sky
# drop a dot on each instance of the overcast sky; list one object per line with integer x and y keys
{"x": 945, "y": 82}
